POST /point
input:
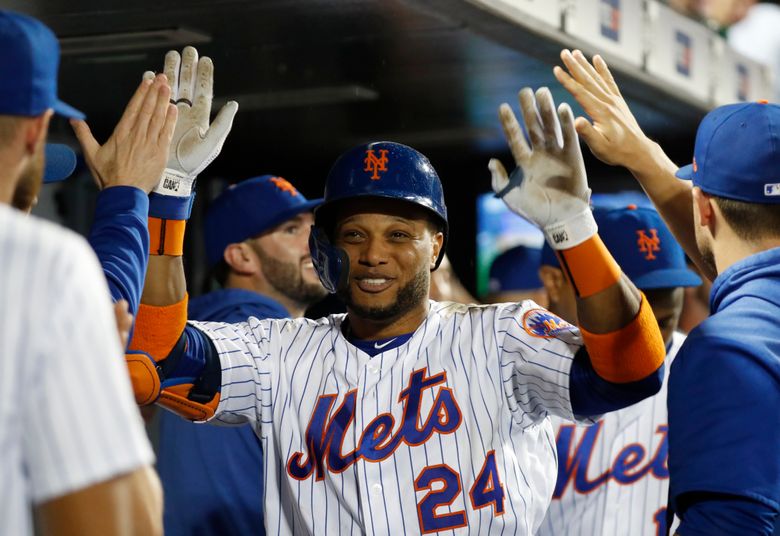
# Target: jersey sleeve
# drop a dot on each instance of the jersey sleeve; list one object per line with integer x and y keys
{"x": 247, "y": 353}
{"x": 724, "y": 423}
{"x": 120, "y": 238}
{"x": 80, "y": 422}
{"x": 537, "y": 350}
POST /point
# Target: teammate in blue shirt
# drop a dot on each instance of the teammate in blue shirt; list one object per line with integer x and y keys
{"x": 724, "y": 387}
{"x": 256, "y": 235}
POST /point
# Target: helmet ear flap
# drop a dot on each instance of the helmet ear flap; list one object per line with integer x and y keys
{"x": 331, "y": 263}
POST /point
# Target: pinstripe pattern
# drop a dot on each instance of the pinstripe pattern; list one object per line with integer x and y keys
{"x": 504, "y": 380}
{"x": 614, "y": 508}
{"x": 67, "y": 416}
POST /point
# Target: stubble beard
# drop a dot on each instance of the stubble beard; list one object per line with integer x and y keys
{"x": 409, "y": 297}
{"x": 287, "y": 279}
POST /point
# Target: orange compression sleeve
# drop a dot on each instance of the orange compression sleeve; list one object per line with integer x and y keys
{"x": 157, "y": 329}
{"x": 629, "y": 354}
{"x": 589, "y": 267}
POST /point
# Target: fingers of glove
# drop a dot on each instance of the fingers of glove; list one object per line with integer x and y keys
{"x": 531, "y": 119}
{"x": 603, "y": 69}
{"x": 498, "y": 175}
{"x": 204, "y": 93}
{"x": 171, "y": 70}
{"x": 552, "y": 128}
{"x": 133, "y": 108}
{"x": 221, "y": 126}
{"x": 148, "y": 75}
{"x": 160, "y": 111}
{"x": 514, "y": 134}
{"x": 568, "y": 132}
{"x": 187, "y": 74}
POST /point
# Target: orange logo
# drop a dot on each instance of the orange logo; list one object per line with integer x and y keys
{"x": 375, "y": 163}
{"x": 284, "y": 185}
{"x": 648, "y": 244}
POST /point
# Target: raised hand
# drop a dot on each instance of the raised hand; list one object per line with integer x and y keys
{"x": 136, "y": 153}
{"x": 614, "y": 136}
{"x": 196, "y": 142}
{"x": 549, "y": 185}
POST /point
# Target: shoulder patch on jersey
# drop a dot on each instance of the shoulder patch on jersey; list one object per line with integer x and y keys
{"x": 542, "y": 323}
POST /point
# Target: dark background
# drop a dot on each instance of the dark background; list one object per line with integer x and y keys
{"x": 314, "y": 78}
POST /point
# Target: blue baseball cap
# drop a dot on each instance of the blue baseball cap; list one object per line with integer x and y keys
{"x": 642, "y": 245}
{"x": 29, "y": 62}
{"x": 250, "y": 208}
{"x": 60, "y": 162}
{"x": 737, "y": 153}
{"x": 516, "y": 269}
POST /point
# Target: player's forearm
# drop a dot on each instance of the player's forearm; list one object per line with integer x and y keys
{"x": 617, "y": 324}
{"x": 165, "y": 281}
{"x": 130, "y": 504}
{"x": 655, "y": 172}
{"x": 120, "y": 240}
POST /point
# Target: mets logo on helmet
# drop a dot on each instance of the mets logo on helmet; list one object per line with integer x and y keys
{"x": 375, "y": 163}
{"x": 542, "y": 323}
{"x": 648, "y": 245}
{"x": 284, "y": 185}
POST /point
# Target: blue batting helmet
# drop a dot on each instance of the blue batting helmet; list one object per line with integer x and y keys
{"x": 384, "y": 170}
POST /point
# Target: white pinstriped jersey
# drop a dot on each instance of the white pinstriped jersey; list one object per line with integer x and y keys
{"x": 67, "y": 415}
{"x": 613, "y": 475}
{"x": 446, "y": 433}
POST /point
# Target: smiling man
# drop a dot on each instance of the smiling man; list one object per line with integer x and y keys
{"x": 405, "y": 415}
{"x": 256, "y": 236}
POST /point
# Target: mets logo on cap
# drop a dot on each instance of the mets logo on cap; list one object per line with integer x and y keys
{"x": 284, "y": 185}
{"x": 542, "y": 323}
{"x": 375, "y": 162}
{"x": 649, "y": 244}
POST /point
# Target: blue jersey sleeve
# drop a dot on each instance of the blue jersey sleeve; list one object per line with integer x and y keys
{"x": 120, "y": 238}
{"x": 724, "y": 423}
{"x": 593, "y": 395}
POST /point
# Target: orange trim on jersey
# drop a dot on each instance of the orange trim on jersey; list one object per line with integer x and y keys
{"x": 589, "y": 267}
{"x": 157, "y": 329}
{"x": 629, "y": 354}
{"x": 166, "y": 237}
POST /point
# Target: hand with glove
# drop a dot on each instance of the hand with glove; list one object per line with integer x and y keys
{"x": 549, "y": 186}
{"x": 196, "y": 142}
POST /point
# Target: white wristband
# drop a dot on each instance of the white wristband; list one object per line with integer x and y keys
{"x": 175, "y": 183}
{"x": 572, "y": 232}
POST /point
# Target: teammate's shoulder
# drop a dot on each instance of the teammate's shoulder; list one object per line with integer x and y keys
{"x": 30, "y": 233}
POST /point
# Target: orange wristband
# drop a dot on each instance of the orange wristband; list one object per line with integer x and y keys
{"x": 629, "y": 354}
{"x": 589, "y": 267}
{"x": 166, "y": 237}
{"x": 157, "y": 329}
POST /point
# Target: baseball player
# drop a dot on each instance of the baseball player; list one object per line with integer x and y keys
{"x": 404, "y": 415}
{"x": 514, "y": 276}
{"x": 613, "y": 477}
{"x": 724, "y": 386}
{"x": 74, "y": 451}
{"x": 256, "y": 235}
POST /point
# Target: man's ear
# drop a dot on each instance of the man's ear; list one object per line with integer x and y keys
{"x": 241, "y": 259}
{"x": 35, "y": 130}
{"x": 438, "y": 243}
{"x": 553, "y": 281}
{"x": 704, "y": 208}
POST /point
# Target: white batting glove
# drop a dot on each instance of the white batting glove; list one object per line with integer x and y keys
{"x": 549, "y": 186}
{"x": 196, "y": 143}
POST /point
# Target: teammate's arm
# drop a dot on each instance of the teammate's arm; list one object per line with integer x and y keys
{"x": 614, "y": 137}
{"x": 124, "y": 505}
{"x": 549, "y": 187}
